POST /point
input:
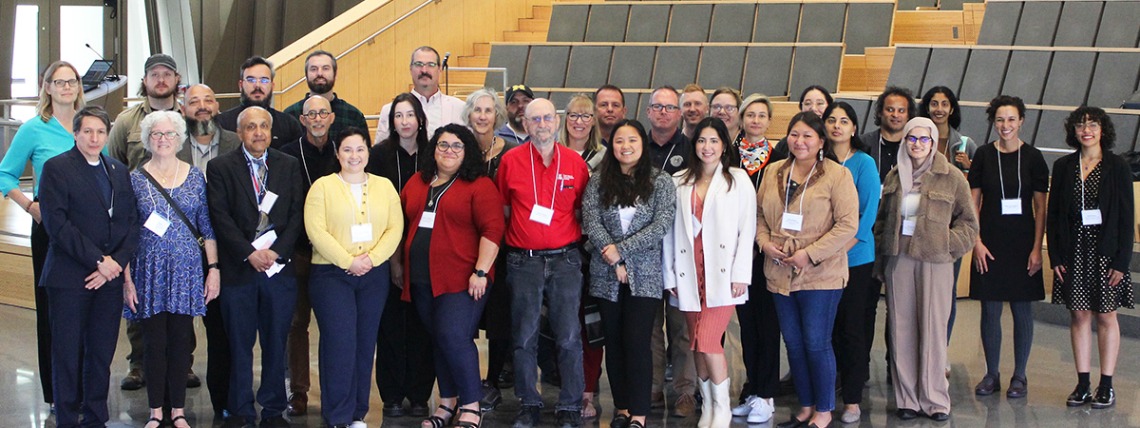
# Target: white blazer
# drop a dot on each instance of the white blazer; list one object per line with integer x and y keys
{"x": 729, "y": 231}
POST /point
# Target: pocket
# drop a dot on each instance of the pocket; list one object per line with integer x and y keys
{"x": 939, "y": 207}
{"x": 514, "y": 259}
{"x": 574, "y": 259}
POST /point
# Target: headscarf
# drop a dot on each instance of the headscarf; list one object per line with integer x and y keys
{"x": 910, "y": 175}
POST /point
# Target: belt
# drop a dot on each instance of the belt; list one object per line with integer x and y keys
{"x": 543, "y": 253}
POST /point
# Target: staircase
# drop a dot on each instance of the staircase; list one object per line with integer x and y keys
{"x": 531, "y": 29}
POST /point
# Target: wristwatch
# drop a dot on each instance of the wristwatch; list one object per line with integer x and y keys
{"x": 480, "y": 273}
{"x": 212, "y": 266}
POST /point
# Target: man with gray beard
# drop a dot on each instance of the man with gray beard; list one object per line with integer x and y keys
{"x": 204, "y": 139}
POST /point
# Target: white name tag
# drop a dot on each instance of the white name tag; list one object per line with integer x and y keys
{"x": 1011, "y": 207}
{"x": 1090, "y": 217}
{"x": 541, "y": 214}
{"x": 362, "y": 232}
{"x": 908, "y": 228}
{"x": 267, "y": 202}
{"x": 427, "y": 220}
{"x": 793, "y": 222}
{"x": 157, "y": 224}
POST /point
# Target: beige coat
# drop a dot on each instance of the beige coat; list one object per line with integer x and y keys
{"x": 831, "y": 218}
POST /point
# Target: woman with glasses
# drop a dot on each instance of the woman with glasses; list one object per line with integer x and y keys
{"x": 814, "y": 99}
{"x": 39, "y": 139}
{"x": 925, "y": 221}
{"x": 483, "y": 113}
{"x": 451, "y": 244}
{"x": 166, "y": 286}
{"x": 1008, "y": 180}
{"x": 723, "y": 105}
{"x": 1090, "y": 246}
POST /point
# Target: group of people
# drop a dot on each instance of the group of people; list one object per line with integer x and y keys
{"x": 556, "y": 234}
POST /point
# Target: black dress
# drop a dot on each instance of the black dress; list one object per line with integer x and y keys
{"x": 1008, "y": 237}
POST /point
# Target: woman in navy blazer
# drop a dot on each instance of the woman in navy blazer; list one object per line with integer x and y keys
{"x": 88, "y": 209}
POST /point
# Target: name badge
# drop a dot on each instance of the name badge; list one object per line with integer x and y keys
{"x": 542, "y": 215}
{"x": 1011, "y": 207}
{"x": 792, "y": 222}
{"x": 1090, "y": 217}
{"x": 362, "y": 232}
{"x": 157, "y": 224}
{"x": 427, "y": 220}
{"x": 267, "y": 202}
{"x": 908, "y": 228}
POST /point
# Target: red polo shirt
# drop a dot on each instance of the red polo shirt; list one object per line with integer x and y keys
{"x": 523, "y": 179}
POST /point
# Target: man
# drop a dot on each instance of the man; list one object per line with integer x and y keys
{"x": 518, "y": 97}
{"x": 317, "y": 154}
{"x": 256, "y": 87}
{"x": 440, "y": 109}
{"x": 670, "y": 151}
{"x": 694, "y": 107}
{"x": 320, "y": 75}
{"x": 204, "y": 139}
{"x": 255, "y": 206}
{"x": 610, "y": 103}
{"x": 893, "y": 109}
{"x": 542, "y": 185}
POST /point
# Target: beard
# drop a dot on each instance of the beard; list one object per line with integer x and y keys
{"x": 266, "y": 103}
{"x": 321, "y": 88}
{"x": 198, "y": 128}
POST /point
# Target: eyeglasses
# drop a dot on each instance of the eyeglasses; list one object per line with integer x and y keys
{"x": 914, "y": 140}
{"x": 579, "y": 116}
{"x": 537, "y": 120}
{"x": 169, "y": 135}
{"x": 421, "y": 64}
{"x": 659, "y": 107}
{"x": 444, "y": 146}
{"x": 1091, "y": 126}
{"x": 60, "y": 83}
{"x": 724, "y": 108}
{"x": 255, "y": 80}
{"x": 312, "y": 115}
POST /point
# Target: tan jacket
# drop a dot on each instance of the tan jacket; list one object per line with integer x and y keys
{"x": 947, "y": 223}
{"x": 831, "y": 218}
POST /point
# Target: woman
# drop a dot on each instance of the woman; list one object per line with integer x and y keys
{"x": 483, "y": 114}
{"x": 627, "y": 208}
{"x": 1090, "y": 246}
{"x": 447, "y": 257}
{"x": 353, "y": 220}
{"x": 925, "y": 222}
{"x": 815, "y": 99}
{"x": 404, "y": 369}
{"x": 165, "y": 285}
{"x": 808, "y": 214}
{"x": 855, "y": 317}
{"x": 37, "y": 140}
{"x": 91, "y": 219}
{"x": 1008, "y": 181}
{"x": 714, "y": 197}
{"x": 724, "y": 105}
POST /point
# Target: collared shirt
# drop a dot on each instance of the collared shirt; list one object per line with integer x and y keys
{"x": 673, "y": 156}
{"x": 285, "y": 128}
{"x": 346, "y": 115}
{"x": 202, "y": 154}
{"x": 523, "y": 180}
{"x": 440, "y": 110}
{"x": 509, "y": 134}
{"x": 254, "y": 167}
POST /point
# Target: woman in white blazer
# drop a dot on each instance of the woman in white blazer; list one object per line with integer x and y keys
{"x": 708, "y": 258}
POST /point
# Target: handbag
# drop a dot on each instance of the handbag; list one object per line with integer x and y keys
{"x": 592, "y": 317}
{"x": 193, "y": 230}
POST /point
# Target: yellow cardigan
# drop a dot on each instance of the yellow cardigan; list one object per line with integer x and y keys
{"x": 330, "y": 212}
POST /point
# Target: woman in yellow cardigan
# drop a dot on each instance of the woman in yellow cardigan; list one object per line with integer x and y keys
{"x": 354, "y": 222}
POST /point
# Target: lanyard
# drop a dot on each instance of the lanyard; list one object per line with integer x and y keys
{"x": 667, "y": 156}
{"x": 557, "y": 176}
{"x": 434, "y": 204}
{"x": 1001, "y": 177}
{"x": 305, "y": 164}
{"x": 258, "y": 189}
{"x": 788, "y": 185}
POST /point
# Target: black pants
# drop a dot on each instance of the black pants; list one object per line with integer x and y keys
{"x": 628, "y": 324}
{"x": 167, "y": 353}
{"x": 760, "y": 336}
{"x": 404, "y": 365}
{"x": 854, "y": 331}
{"x": 497, "y": 323}
{"x": 39, "y": 238}
{"x": 217, "y": 357}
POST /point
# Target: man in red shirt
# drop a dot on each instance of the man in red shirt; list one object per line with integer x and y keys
{"x": 542, "y": 184}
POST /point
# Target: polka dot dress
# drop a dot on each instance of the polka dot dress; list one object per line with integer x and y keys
{"x": 1087, "y": 287}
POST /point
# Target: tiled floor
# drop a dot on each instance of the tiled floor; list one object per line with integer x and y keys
{"x": 1051, "y": 377}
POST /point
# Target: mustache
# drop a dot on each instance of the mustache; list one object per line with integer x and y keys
{"x": 425, "y": 75}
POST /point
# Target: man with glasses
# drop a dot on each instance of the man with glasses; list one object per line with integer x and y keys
{"x": 320, "y": 75}
{"x": 609, "y": 101}
{"x": 694, "y": 107}
{"x": 542, "y": 185}
{"x": 517, "y": 98}
{"x": 256, "y": 87}
{"x": 670, "y": 148}
{"x": 441, "y": 109}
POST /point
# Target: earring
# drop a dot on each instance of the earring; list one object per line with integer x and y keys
{"x": 821, "y": 154}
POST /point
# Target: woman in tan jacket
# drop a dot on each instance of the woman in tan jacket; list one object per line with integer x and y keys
{"x": 808, "y": 213}
{"x": 925, "y": 222}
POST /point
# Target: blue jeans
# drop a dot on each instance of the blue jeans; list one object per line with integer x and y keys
{"x": 558, "y": 280}
{"x": 806, "y": 321}
{"x": 452, "y": 319}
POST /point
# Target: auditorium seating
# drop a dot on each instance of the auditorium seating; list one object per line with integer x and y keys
{"x": 1109, "y": 23}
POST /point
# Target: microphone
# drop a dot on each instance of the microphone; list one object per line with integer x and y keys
{"x": 114, "y": 77}
{"x": 446, "y": 55}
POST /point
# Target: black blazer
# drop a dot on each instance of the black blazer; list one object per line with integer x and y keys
{"x": 1115, "y": 205}
{"x": 234, "y": 215}
{"x": 76, "y": 219}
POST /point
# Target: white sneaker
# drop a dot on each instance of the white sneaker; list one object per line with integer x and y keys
{"x": 358, "y": 424}
{"x": 744, "y": 408}
{"x": 762, "y": 410}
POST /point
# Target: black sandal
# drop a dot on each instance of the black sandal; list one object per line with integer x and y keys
{"x": 438, "y": 422}
{"x": 174, "y": 421}
{"x": 469, "y": 424}
{"x": 153, "y": 419}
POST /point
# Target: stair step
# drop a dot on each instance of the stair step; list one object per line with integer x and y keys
{"x": 542, "y": 12}
{"x": 482, "y": 49}
{"x": 524, "y": 36}
{"x": 534, "y": 24}
{"x": 473, "y": 61}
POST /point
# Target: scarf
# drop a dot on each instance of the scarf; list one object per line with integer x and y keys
{"x": 910, "y": 175}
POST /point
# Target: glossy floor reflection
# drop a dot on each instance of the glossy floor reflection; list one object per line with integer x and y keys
{"x": 1051, "y": 378}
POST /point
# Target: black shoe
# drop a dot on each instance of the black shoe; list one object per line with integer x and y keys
{"x": 940, "y": 416}
{"x": 1105, "y": 397}
{"x": 236, "y": 422}
{"x": 569, "y": 418}
{"x": 1018, "y": 387}
{"x": 275, "y": 422}
{"x": 393, "y": 410}
{"x": 507, "y": 378}
{"x": 906, "y": 414}
{"x": 492, "y": 397}
{"x": 793, "y": 423}
{"x": 528, "y": 417}
{"x": 192, "y": 380}
{"x": 132, "y": 381}
{"x": 987, "y": 386}
{"x": 1080, "y": 396}
{"x": 620, "y": 421}
{"x": 418, "y": 410}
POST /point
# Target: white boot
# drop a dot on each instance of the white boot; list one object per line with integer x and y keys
{"x": 706, "y": 403}
{"x": 722, "y": 405}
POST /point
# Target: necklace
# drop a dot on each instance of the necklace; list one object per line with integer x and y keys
{"x": 166, "y": 179}
{"x": 489, "y": 148}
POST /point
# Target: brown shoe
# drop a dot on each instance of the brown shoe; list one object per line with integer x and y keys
{"x": 298, "y": 405}
{"x": 133, "y": 380}
{"x": 657, "y": 401}
{"x": 685, "y": 406}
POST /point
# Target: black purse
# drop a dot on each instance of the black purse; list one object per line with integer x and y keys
{"x": 193, "y": 230}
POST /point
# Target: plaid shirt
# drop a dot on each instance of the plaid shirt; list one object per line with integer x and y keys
{"x": 346, "y": 115}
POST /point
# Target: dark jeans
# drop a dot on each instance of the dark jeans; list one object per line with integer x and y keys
{"x": 404, "y": 367}
{"x": 452, "y": 320}
{"x": 39, "y": 240}
{"x": 85, "y": 330}
{"x": 348, "y": 316}
{"x": 855, "y": 331}
{"x": 1022, "y": 335}
{"x": 806, "y": 320}
{"x": 258, "y": 311}
{"x": 628, "y": 324}
{"x": 558, "y": 278}
{"x": 217, "y": 357}
{"x": 760, "y": 336}
{"x": 168, "y": 349}
{"x": 497, "y": 323}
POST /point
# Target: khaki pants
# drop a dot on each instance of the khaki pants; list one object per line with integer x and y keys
{"x": 918, "y": 310}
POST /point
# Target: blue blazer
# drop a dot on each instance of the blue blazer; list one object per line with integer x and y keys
{"x": 80, "y": 229}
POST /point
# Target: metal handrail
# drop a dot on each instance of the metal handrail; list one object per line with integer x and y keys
{"x": 487, "y": 69}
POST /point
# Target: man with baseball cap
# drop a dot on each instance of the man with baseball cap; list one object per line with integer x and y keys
{"x": 517, "y": 98}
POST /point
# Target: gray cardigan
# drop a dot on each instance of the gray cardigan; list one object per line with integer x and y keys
{"x": 640, "y": 248}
